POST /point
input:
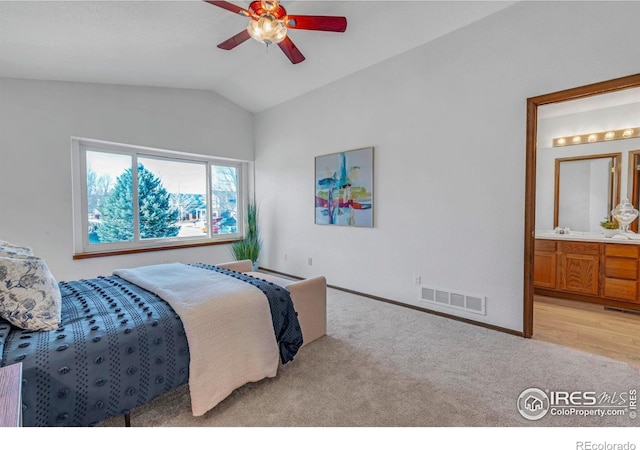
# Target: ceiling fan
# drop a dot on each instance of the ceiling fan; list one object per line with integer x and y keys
{"x": 269, "y": 24}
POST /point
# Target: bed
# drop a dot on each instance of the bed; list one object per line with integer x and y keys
{"x": 119, "y": 345}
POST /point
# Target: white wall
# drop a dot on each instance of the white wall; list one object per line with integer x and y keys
{"x": 37, "y": 120}
{"x": 447, "y": 121}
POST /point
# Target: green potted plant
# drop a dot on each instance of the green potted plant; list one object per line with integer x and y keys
{"x": 610, "y": 227}
{"x": 250, "y": 246}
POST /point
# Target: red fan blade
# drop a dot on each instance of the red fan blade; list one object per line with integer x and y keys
{"x": 317, "y": 23}
{"x": 290, "y": 49}
{"x": 233, "y": 8}
{"x": 234, "y": 41}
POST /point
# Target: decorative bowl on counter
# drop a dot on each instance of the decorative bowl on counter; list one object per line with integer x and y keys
{"x": 624, "y": 214}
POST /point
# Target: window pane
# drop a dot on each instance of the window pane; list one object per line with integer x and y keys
{"x": 109, "y": 197}
{"x": 224, "y": 199}
{"x": 172, "y": 198}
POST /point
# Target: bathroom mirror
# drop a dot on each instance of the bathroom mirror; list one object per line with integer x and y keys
{"x": 587, "y": 188}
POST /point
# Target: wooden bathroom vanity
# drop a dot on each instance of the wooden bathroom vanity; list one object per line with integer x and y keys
{"x": 596, "y": 270}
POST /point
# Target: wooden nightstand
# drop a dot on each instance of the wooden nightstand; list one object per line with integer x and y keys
{"x": 11, "y": 395}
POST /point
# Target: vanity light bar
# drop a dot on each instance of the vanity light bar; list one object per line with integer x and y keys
{"x": 596, "y": 137}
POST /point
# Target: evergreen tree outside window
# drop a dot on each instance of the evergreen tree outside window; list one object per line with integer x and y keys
{"x": 157, "y": 218}
{"x": 116, "y": 212}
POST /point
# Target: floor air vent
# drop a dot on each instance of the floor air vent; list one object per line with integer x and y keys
{"x": 471, "y": 303}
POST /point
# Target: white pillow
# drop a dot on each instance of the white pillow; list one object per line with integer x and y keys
{"x": 29, "y": 294}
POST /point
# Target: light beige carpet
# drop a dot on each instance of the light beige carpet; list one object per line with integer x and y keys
{"x": 384, "y": 365}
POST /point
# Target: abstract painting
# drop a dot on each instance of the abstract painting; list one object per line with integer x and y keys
{"x": 344, "y": 188}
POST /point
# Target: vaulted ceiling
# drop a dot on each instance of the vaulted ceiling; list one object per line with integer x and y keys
{"x": 173, "y": 43}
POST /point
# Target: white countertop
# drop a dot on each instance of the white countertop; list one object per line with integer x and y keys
{"x": 630, "y": 238}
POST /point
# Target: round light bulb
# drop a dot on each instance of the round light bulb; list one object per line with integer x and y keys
{"x": 267, "y": 30}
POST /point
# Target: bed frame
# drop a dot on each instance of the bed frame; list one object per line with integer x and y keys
{"x": 309, "y": 298}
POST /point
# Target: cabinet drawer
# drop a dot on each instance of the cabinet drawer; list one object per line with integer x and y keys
{"x": 543, "y": 245}
{"x": 624, "y": 268}
{"x": 583, "y": 248}
{"x": 621, "y": 289}
{"x": 623, "y": 251}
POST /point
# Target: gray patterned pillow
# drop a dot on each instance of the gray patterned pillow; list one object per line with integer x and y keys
{"x": 6, "y": 252}
{"x": 10, "y": 248}
{"x": 29, "y": 294}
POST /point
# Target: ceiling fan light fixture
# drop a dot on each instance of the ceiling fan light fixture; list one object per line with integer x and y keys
{"x": 269, "y": 24}
{"x": 267, "y": 30}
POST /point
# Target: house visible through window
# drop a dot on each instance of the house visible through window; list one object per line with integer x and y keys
{"x": 128, "y": 198}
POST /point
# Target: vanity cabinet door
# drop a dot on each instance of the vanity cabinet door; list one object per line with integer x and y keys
{"x": 579, "y": 267}
{"x": 545, "y": 264}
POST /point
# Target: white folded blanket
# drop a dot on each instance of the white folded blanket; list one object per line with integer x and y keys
{"x": 228, "y": 326}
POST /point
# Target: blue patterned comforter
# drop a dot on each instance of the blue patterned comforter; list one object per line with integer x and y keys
{"x": 118, "y": 347}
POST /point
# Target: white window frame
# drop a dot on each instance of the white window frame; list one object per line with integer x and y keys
{"x": 82, "y": 248}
